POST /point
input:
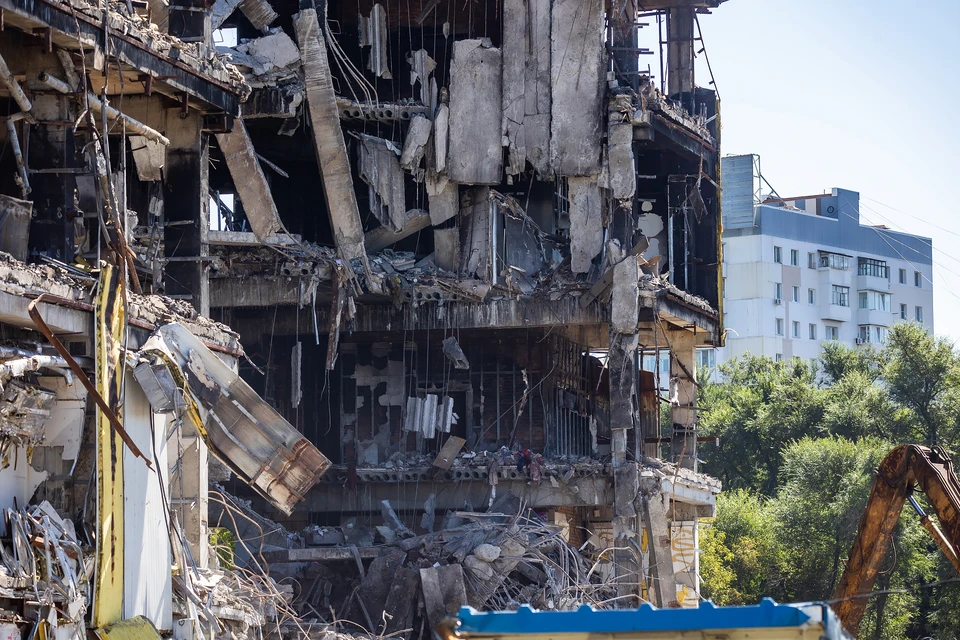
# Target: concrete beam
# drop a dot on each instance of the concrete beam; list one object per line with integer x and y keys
{"x": 409, "y": 496}
{"x": 250, "y": 182}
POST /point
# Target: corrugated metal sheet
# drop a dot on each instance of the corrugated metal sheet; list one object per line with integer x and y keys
{"x": 240, "y": 428}
{"x": 741, "y": 183}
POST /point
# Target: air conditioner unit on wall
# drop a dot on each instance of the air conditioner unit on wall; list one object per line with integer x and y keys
{"x": 858, "y": 340}
{"x": 777, "y": 301}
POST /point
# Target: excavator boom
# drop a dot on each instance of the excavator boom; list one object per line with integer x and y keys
{"x": 906, "y": 468}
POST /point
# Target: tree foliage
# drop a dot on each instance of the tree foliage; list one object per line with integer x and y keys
{"x": 798, "y": 446}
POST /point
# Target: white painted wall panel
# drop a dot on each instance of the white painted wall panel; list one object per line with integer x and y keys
{"x": 147, "y": 558}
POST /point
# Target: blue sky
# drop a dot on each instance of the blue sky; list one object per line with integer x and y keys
{"x": 856, "y": 94}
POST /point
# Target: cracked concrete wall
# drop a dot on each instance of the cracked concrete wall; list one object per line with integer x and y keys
{"x": 577, "y": 70}
{"x": 474, "y": 154}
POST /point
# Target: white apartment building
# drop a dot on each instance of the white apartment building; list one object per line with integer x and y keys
{"x": 800, "y": 271}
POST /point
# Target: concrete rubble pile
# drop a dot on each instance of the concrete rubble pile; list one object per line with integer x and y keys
{"x": 405, "y": 584}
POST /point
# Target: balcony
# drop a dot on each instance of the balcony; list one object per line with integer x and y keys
{"x": 873, "y": 283}
{"x": 835, "y": 312}
{"x": 875, "y": 317}
{"x": 832, "y": 276}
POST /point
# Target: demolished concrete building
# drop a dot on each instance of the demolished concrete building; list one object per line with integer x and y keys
{"x": 427, "y": 239}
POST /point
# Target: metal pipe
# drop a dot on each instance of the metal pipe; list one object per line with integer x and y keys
{"x": 23, "y": 181}
{"x": 98, "y": 106}
{"x": 15, "y": 89}
{"x": 19, "y": 366}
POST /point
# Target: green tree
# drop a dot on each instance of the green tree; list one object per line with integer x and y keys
{"x": 759, "y": 406}
{"x": 839, "y": 359}
{"x": 740, "y": 556}
{"x": 922, "y": 373}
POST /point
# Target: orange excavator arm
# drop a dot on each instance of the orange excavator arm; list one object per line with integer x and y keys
{"x": 906, "y": 468}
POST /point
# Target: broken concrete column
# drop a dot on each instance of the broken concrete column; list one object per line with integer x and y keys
{"x": 623, "y": 371}
{"x": 328, "y": 139}
{"x": 187, "y": 199}
{"x": 446, "y": 248}
{"x": 663, "y": 581}
{"x": 586, "y": 222}
{"x": 250, "y": 182}
{"x": 680, "y": 58}
{"x": 577, "y": 70}
{"x": 620, "y": 162}
{"x": 443, "y": 197}
{"x": 683, "y": 395}
{"x": 474, "y": 153}
{"x": 476, "y": 234}
{"x": 625, "y": 296}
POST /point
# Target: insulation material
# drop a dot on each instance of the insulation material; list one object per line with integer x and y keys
{"x": 577, "y": 69}
{"x": 586, "y": 223}
{"x": 373, "y": 34}
{"x": 148, "y": 156}
{"x": 421, "y": 70}
{"x": 474, "y": 153}
{"x": 24, "y": 408}
{"x": 380, "y": 169}
{"x": 428, "y": 416}
{"x": 418, "y": 136}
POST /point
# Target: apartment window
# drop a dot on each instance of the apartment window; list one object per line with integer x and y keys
{"x": 779, "y": 326}
{"x": 840, "y": 296}
{"x": 903, "y": 310}
{"x": 917, "y": 279}
{"x": 794, "y": 258}
{"x": 778, "y": 255}
{"x": 706, "y": 360}
{"x": 871, "y": 267}
{"x": 812, "y": 296}
{"x": 875, "y": 301}
{"x": 903, "y": 276}
{"x": 872, "y": 334}
{"x": 835, "y": 261}
{"x": 832, "y": 333}
{"x": 811, "y": 261}
{"x": 813, "y": 332}
{"x": 796, "y": 294}
{"x": 796, "y": 329}
{"x": 918, "y": 313}
{"x": 778, "y": 290}
{"x": 778, "y": 357}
